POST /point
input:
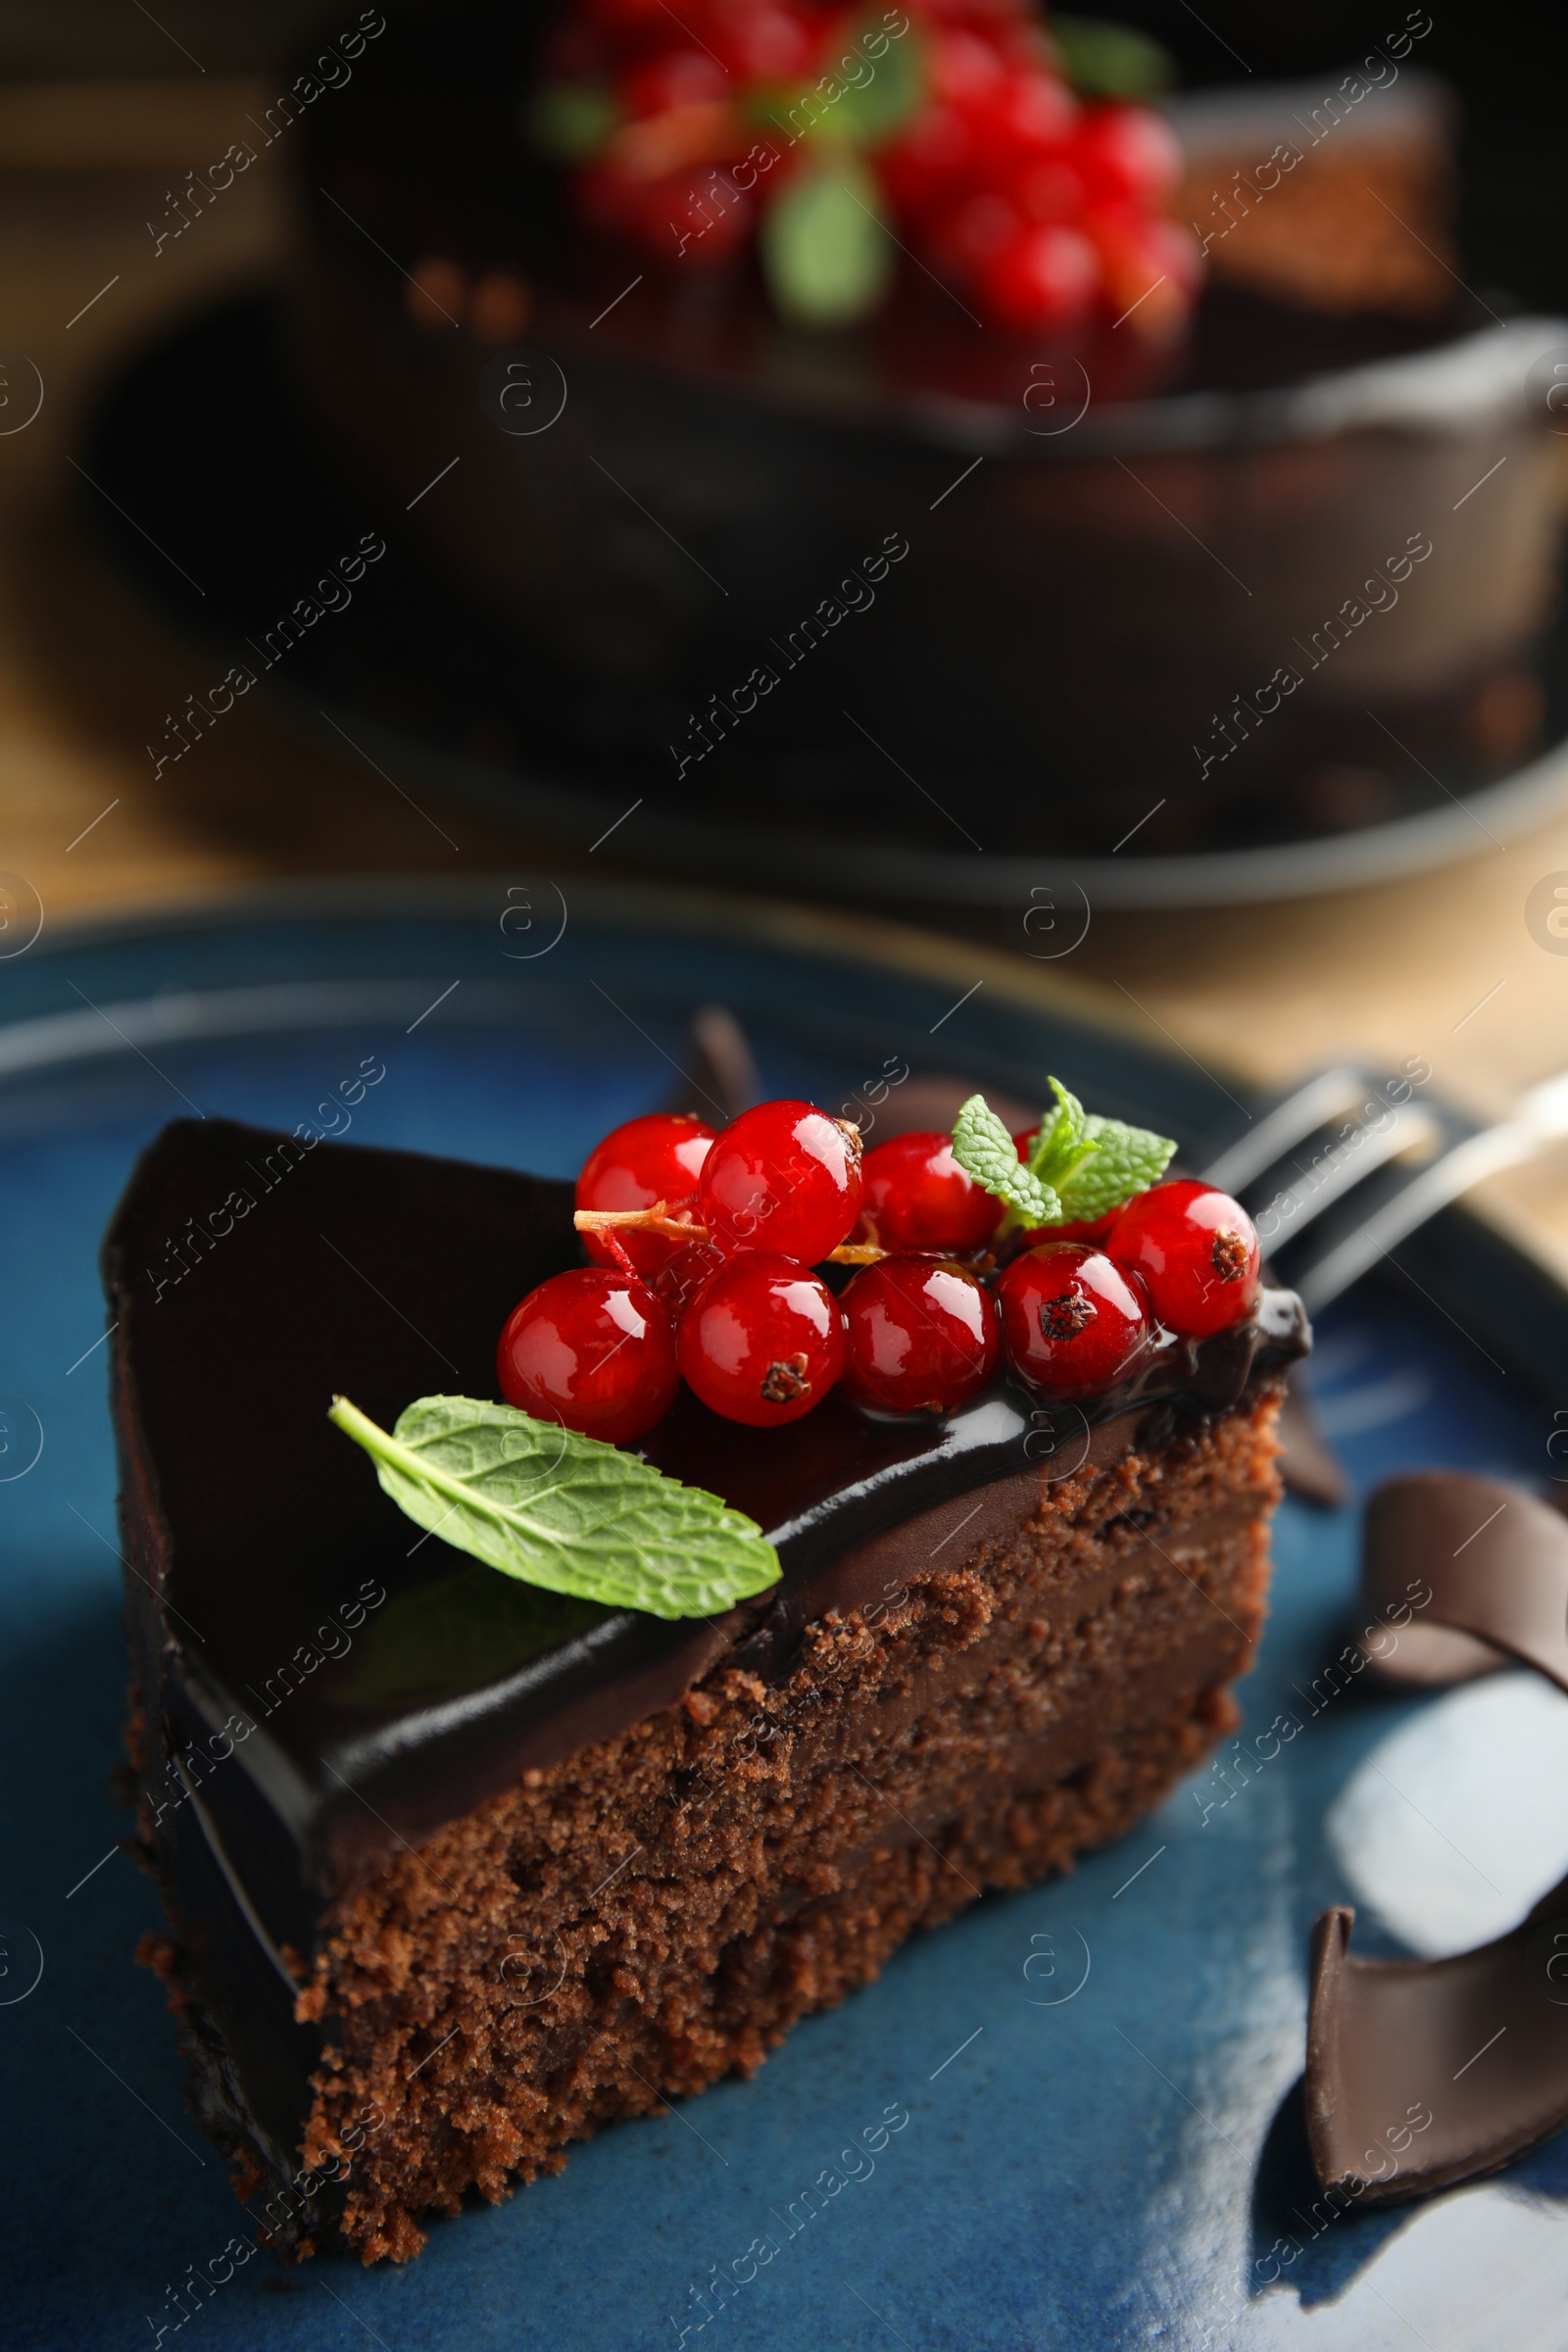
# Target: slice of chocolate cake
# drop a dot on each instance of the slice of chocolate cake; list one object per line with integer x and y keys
{"x": 458, "y": 1869}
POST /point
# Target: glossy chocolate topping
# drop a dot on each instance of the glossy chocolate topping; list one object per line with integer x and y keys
{"x": 376, "y": 1681}
{"x": 1423, "y": 2073}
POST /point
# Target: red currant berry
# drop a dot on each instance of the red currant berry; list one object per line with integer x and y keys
{"x": 918, "y": 1197}
{"x": 1050, "y": 190}
{"x": 1045, "y": 277}
{"x": 785, "y": 1178}
{"x": 1072, "y": 1321}
{"x": 1197, "y": 1251}
{"x": 963, "y": 66}
{"x": 683, "y": 1275}
{"x": 593, "y": 1350}
{"x": 919, "y": 167}
{"x": 1080, "y": 1229}
{"x": 923, "y": 1336}
{"x": 1025, "y": 116}
{"x": 680, "y": 77}
{"x": 1150, "y": 268}
{"x": 763, "y": 41}
{"x": 706, "y": 207}
{"x": 650, "y": 1159}
{"x": 1127, "y": 153}
{"x": 763, "y": 1342}
{"x": 978, "y": 229}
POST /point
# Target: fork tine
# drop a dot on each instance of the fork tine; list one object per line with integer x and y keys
{"x": 1312, "y": 1105}
{"x": 1333, "y": 1173}
{"x": 1443, "y": 1180}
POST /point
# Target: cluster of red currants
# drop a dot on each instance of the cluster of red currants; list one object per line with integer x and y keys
{"x": 704, "y": 1244}
{"x": 1046, "y": 210}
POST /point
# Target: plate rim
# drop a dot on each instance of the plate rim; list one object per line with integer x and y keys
{"x": 1496, "y": 1235}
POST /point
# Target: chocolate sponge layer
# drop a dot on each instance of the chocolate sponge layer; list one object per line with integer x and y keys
{"x": 630, "y": 1926}
{"x": 457, "y": 1870}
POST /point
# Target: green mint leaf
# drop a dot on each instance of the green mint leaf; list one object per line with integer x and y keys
{"x": 569, "y": 120}
{"x": 826, "y": 256}
{"x": 985, "y": 1151}
{"x": 1124, "y": 1160}
{"x": 888, "y": 88}
{"x": 1105, "y": 60}
{"x": 861, "y": 99}
{"x": 1062, "y": 1142}
{"x": 565, "y": 1512}
{"x": 1093, "y": 1164}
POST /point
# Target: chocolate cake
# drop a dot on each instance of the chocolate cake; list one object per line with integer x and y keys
{"x": 458, "y": 1869}
{"x": 756, "y": 568}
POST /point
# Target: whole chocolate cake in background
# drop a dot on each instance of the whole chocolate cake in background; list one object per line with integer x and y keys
{"x": 902, "y": 397}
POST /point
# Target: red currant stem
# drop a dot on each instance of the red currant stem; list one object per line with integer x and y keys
{"x": 608, "y": 1221}
{"x": 657, "y": 1219}
{"x": 621, "y": 1255}
{"x": 703, "y": 131}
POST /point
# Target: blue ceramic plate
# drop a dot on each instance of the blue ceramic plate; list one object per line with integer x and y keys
{"x": 1103, "y": 2145}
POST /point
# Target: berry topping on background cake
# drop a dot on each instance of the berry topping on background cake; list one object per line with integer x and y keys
{"x": 998, "y": 151}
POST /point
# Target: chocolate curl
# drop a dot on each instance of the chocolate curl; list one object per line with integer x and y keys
{"x": 1424, "y": 2072}
{"x": 1495, "y": 1562}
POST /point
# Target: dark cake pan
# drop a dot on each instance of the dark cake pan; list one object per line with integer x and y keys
{"x": 769, "y": 567}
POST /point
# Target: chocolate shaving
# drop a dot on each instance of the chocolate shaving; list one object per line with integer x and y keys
{"x": 1423, "y": 2073}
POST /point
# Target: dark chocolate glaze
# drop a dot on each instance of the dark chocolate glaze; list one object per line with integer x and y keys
{"x": 1458, "y": 1574}
{"x": 363, "y": 1722}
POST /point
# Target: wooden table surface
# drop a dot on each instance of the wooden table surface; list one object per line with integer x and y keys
{"x": 1442, "y": 966}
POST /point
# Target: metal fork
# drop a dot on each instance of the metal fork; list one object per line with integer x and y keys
{"x": 1442, "y": 1156}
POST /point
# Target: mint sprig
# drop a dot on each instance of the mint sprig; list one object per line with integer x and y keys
{"x": 826, "y": 254}
{"x": 562, "y": 1511}
{"x": 1080, "y": 1165}
{"x": 571, "y": 120}
{"x": 985, "y": 1151}
{"x": 1126, "y": 1161}
{"x": 1107, "y": 60}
